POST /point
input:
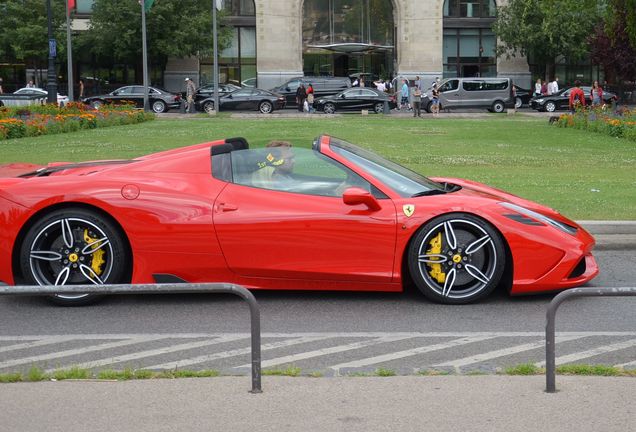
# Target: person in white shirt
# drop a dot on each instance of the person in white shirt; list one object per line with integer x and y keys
{"x": 380, "y": 85}
{"x": 553, "y": 87}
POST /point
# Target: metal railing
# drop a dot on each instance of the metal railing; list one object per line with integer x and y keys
{"x": 550, "y": 373}
{"x": 169, "y": 288}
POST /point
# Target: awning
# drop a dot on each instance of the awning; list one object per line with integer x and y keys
{"x": 352, "y": 47}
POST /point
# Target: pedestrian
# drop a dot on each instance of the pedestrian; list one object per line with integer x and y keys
{"x": 435, "y": 100}
{"x": 190, "y": 90}
{"x": 30, "y": 84}
{"x": 417, "y": 101}
{"x": 577, "y": 97}
{"x": 355, "y": 83}
{"x": 596, "y": 94}
{"x": 380, "y": 85}
{"x": 544, "y": 88}
{"x": 362, "y": 82}
{"x": 310, "y": 98}
{"x": 537, "y": 87}
{"x": 404, "y": 93}
{"x": 81, "y": 89}
{"x": 1, "y": 90}
{"x": 553, "y": 87}
{"x": 301, "y": 95}
{"x": 418, "y": 83}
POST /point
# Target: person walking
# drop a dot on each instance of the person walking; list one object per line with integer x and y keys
{"x": 537, "y": 87}
{"x": 81, "y": 89}
{"x": 310, "y": 98}
{"x": 404, "y": 93}
{"x": 553, "y": 87}
{"x": 1, "y": 90}
{"x": 596, "y": 94}
{"x": 190, "y": 90}
{"x": 417, "y": 101}
{"x": 301, "y": 96}
{"x": 435, "y": 100}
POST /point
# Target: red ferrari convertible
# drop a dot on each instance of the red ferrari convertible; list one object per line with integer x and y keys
{"x": 333, "y": 217}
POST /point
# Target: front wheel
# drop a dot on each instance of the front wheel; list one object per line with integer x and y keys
{"x": 329, "y": 108}
{"x": 208, "y": 107}
{"x": 456, "y": 258}
{"x": 266, "y": 107}
{"x": 498, "y": 107}
{"x": 159, "y": 106}
{"x": 550, "y": 106}
{"x": 518, "y": 102}
{"x": 74, "y": 247}
{"x": 97, "y": 104}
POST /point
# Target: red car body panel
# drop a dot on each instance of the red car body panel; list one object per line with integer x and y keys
{"x": 180, "y": 220}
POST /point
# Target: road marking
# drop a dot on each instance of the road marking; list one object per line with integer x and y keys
{"x": 325, "y": 351}
{"x": 154, "y": 352}
{"x": 501, "y": 353}
{"x": 36, "y": 343}
{"x": 627, "y": 365}
{"x": 233, "y": 353}
{"x": 77, "y": 351}
{"x": 408, "y": 353}
{"x": 591, "y": 353}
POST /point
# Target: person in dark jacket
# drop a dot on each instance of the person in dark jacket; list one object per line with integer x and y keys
{"x": 301, "y": 95}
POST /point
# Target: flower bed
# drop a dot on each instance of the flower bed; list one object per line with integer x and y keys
{"x": 619, "y": 124}
{"x": 50, "y": 119}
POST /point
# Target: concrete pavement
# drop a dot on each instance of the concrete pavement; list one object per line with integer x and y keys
{"x": 416, "y": 403}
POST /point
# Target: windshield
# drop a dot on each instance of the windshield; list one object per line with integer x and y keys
{"x": 402, "y": 180}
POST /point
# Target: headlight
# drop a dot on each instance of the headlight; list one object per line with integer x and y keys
{"x": 537, "y": 217}
{"x": 538, "y": 100}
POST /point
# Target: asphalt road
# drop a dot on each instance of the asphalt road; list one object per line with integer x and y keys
{"x": 329, "y": 332}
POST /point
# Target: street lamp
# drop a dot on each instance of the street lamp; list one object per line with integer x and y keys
{"x": 51, "y": 77}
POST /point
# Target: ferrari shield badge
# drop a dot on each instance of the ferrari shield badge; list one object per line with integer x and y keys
{"x": 408, "y": 209}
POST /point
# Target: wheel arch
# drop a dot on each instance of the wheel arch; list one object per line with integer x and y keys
{"x": 506, "y": 278}
{"x": 15, "y": 252}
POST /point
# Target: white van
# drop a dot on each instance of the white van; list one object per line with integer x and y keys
{"x": 494, "y": 94}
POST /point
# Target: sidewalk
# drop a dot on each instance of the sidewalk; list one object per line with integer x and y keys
{"x": 395, "y": 404}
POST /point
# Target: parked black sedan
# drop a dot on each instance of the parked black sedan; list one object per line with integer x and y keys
{"x": 246, "y": 98}
{"x": 204, "y": 96}
{"x": 561, "y": 100}
{"x": 160, "y": 100}
{"x": 355, "y": 99}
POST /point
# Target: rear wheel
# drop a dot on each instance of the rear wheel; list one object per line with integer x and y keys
{"x": 498, "y": 107}
{"x": 456, "y": 258}
{"x": 266, "y": 107}
{"x": 74, "y": 247}
{"x": 518, "y": 102}
{"x": 329, "y": 108}
{"x": 379, "y": 108}
{"x": 159, "y": 106}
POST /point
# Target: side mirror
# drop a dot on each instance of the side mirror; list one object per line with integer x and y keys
{"x": 355, "y": 196}
{"x": 342, "y": 96}
{"x": 230, "y": 96}
{"x": 115, "y": 93}
{"x": 287, "y": 89}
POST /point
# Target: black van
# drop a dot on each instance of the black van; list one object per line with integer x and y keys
{"x": 323, "y": 86}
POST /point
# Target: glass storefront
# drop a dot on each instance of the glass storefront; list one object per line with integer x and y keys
{"x": 348, "y": 37}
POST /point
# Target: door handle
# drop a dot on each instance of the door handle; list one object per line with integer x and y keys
{"x": 225, "y": 207}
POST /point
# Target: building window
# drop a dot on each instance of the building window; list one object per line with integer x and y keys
{"x": 240, "y": 7}
{"x": 469, "y": 43}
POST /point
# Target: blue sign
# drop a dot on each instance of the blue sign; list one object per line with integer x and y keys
{"x": 52, "y": 48}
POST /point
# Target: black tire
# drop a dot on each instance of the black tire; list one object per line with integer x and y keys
{"x": 159, "y": 106}
{"x": 429, "y": 107}
{"x": 329, "y": 108}
{"x": 498, "y": 106}
{"x": 208, "y": 107}
{"x": 266, "y": 107}
{"x": 456, "y": 258}
{"x": 57, "y": 251}
{"x": 97, "y": 104}
{"x": 378, "y": 108}
{"x": 518, "y": 102}
{"x": 550, "y": 106}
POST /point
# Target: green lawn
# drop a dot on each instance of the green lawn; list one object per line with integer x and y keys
{"x": 584, "y": 175}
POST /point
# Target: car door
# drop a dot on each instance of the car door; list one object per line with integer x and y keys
{"x": 349, "y": 99}
{"x": 237, "y": 100}
{"x": 368, "y": 99}
{"x": 449, "y": 93}
{"x": 121, "y": 94}
{"x": 299, "y": 226}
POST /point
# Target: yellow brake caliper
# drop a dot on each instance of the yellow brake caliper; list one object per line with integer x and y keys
{"x": 436, "y": 269}
{"x": 98, "y": 255}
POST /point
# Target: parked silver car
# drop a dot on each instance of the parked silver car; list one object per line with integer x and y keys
{"x": 494, "y": 94}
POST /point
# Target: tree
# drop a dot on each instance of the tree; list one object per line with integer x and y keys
{"x": 613, "y": 44}
{"x": 174, "y": 29}
{"x": 24, "y": 35}
{"x": 546, "y": 29}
